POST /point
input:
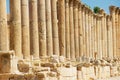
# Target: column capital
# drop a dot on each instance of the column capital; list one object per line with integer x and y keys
{"x": 76, "y": 2}
{"x": 117, "y": 10}
{"x": 71, "y": 1}
{"x": 67, "y": 1}
{"x": 112, "y": 9}
{"x": 101, "y": 11}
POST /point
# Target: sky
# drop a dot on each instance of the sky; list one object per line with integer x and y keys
{"x": 104, "y": 4}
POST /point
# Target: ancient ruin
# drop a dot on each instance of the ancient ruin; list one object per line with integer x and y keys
{"x": 58, "y": 40}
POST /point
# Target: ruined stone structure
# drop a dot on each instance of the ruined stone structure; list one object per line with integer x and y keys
{"x": 58, "y": 40}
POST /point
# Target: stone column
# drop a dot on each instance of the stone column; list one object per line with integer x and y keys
{"x": 80, "y": 30}
{"x": 112, "y": 12}
{"x": 119, "y": 27}
{"x": 86, "y": 32}
{"x": 109, "y": 31}
{"x": 75, "y": 13}
{"x": 3, "y": 26}
{"x": 49, "y": 28}
{"x": 67, "y": 29}
{"x": 34, "y": 38}
{"x": 95, "y": 36}
{"x": 61, "y": 5}
{"x": 103, "y": 31}
{"x": 25, "y": 29}
{"x": 105, "y": 36}
{"x": 89, "y": 32}
{"x": 55, "y": 27}
{"x": 100, "y": 34}
{"x": 72, "y": 46}
{"x": 16, "y": 24}
{"x": 42, "y": 27}
{"x": 83, "y": 26}
{"x": 117, "y": 31}
{"x": 92, "y": 36}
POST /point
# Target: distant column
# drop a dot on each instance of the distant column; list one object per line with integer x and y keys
{"x": 117, "y": 31}
{"x": 112, "y": 12}
{"x": 119, "y": 27}
{"x": 80, "y": 30}
{"x": 86, "y": 32}
{"x": 72, "y": 46}
{"x": 55, "y": 27}
{"x": 42, "y": 28}
{"x": 49, "y": 28}
{"x": 67, "y": 29}
{"x": 83, "y": 26}
{"x": 61, "y": 5}
{"x": 25, "y": 29}
{"x": 75, "y": 13}
{"x": 95, "y": 36}
{"x": 3, "y": 26}
{"x": 16, "y": 24}
{"x": 34, "y": 38}
{"x": 109, "y": 31}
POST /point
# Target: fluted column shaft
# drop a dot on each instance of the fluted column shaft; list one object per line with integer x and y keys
{"x": 61, "y": 4}
{"x": 83, "y": 26}
{"x": 3, "y": 26}
{"x": 80, "y": 30}
{"x": 34, "y": 37}
{"x": 86, "y": 32}
{"x": 95, "y": 37}
{"x": 117, "y": 32}
{"x": 67, "y": 29}
{"x": 75, "y": 13}
{"x": 16, "y": 24}
{"x": 55, "y": 27}
{"x": 25, "y": 29}
{"x": 72, "y": 46}
{"x": 49, "y": 28}
{"x": 109, "y": 32}
{"x": 112, "y": 12}
{"x": 42, "y": 28}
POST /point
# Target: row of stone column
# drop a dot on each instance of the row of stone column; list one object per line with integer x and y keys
{"x": 59, "y": 27}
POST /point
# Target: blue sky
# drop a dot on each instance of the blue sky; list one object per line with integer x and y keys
{"x": 104, "y": 4}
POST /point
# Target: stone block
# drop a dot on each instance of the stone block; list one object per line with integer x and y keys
{"x": 67, "y": 73}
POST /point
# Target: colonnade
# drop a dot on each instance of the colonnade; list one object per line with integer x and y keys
{"x": 66, "y": 28}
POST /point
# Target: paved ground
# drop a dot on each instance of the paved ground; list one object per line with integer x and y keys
{"x": 113, "y": 78}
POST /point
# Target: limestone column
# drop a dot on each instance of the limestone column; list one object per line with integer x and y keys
{"x": 95, "y": 36}
{"x": 34, "y": 38}
{"x": 92, "y": 35}
{"x": 3, "y": 26}
{"x": 83, "y": 26}
{"x": 112, "y": 12}
{"x": 25, "y": 29}
{"x": 49, "y": 28}
{"x": 100, "y": 33}
{"x": 80, "y": 30}
{"x": 75, "y": 13}
{"x": 16, "y": 24}
{"x": 89, "y": 32}
{"x": 61, "y": 22}
{"x": 42, "y": 27}
{"x": 119, "y": 27}
{"x": 72, "y": 46}
{"x": 109, "y": 31}
{"x": 117, "y": 31}
{"x": 55, "y": 27}
{"x": 103, "y": 31}
{"x": 67, "y": 29}
{"x": 86, "y": 32}
{"x": 105, "y": 36}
